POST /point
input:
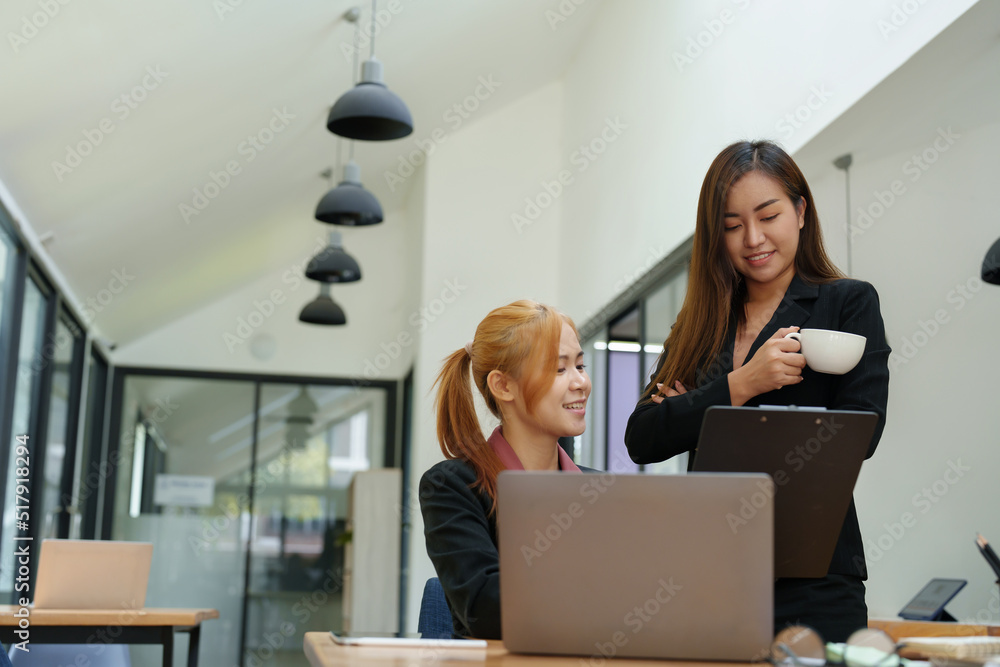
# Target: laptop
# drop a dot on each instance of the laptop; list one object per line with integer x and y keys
{"x": 814, "y": 457}
{"x": 641, "y": 566}
{"x": 92, "y": 574}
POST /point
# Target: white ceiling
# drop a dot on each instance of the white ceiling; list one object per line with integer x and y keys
{"x": 222, "y": 74}
{"x": 952, "y": 82}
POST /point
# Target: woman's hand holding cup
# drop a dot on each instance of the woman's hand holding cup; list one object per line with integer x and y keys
{"x": 777, "y": 363}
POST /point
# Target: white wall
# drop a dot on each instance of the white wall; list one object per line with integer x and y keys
{"x": 474, "y": 256}
{"x": 932, "y": 484}
{"x": 765, "y": 63}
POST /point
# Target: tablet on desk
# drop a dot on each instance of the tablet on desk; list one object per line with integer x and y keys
{"x": 928, "y": 605}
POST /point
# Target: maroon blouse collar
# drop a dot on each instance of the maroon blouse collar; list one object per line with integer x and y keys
{"x": 509, "y": 458}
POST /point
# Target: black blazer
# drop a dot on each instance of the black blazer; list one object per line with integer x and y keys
{"x": 461, "y": 536}
{"x": 656, "y": 432}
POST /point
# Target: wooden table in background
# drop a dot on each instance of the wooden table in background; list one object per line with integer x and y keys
{"x": 110, "y": 626}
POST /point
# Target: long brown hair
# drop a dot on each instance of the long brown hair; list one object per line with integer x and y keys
{"x": 716, "y": 293}
{"x": 521, "y": 340}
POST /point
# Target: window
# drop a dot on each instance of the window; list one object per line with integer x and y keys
{"x": 25, "y": 417}
{"x": 622, "y": 346}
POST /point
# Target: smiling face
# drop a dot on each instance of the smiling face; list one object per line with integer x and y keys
{"x": 561, "y": 411}
{"x": 762, "y": 230}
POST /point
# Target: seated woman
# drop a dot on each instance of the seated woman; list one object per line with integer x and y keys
{"x": 527, "y": 363}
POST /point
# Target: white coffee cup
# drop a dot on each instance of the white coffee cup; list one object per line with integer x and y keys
{"x": 826, "y": 351}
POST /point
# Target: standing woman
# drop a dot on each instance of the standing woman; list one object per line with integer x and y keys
{"x": 527, "y": 363}
{"x": 759, "y": 271}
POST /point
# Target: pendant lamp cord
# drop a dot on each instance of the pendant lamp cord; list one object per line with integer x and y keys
{"x": 850, "y": 229}
{"x": 844, "y": 164}
{"x": 373, "y": 27}
{"x": 356, "y": 70}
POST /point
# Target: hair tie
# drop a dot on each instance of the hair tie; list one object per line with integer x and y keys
{"x": 468, "y": 349}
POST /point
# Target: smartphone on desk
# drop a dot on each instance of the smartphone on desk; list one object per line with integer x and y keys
{"x": 401, "y": 640}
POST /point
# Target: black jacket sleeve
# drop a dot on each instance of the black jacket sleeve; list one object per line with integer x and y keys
{"x": 462, "y": 544}
{"x": 866, "y": 386}
{"x": 657, "y": 432}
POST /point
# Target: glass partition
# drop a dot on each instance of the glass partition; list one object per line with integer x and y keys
{"x": 243, "y": 489}
{"x": 312, "y": 440}
{"x": 622, "y": 355}
{"x": 182, "y": 443}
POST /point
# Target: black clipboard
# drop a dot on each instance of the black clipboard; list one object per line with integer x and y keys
{"x": 814, "y": 457}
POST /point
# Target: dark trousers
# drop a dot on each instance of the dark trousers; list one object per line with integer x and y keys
{"x": 833, "y": 606}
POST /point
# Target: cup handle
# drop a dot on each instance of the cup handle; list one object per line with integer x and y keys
{"x": 794, "y": 334}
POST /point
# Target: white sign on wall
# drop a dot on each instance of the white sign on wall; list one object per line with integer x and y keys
{"x": 184, "y": 490}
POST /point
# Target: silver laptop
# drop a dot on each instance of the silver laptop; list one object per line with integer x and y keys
{"x": 645, "y": 566}
{"x": 92, "y": 574}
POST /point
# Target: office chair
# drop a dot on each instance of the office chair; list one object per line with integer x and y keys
{"x": 434, "y": 621}
{"x": 94, "y": 655}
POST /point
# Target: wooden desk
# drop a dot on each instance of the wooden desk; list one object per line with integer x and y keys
{"x": 898, "y": 628}
{"x": 321, "y": 651}
{"x": 125, "y": 626}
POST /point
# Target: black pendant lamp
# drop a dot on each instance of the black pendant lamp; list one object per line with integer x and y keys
{"x": 370, "y": 111}
{"x": 333, "y": 265}
{"x": 991, "y": 264}
{"x": 349, "y": 203}
{"x": 323, "y": 309}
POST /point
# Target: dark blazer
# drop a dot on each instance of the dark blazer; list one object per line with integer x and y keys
{"x": 461, "y": 536}
{"x": 658, "y": 432}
